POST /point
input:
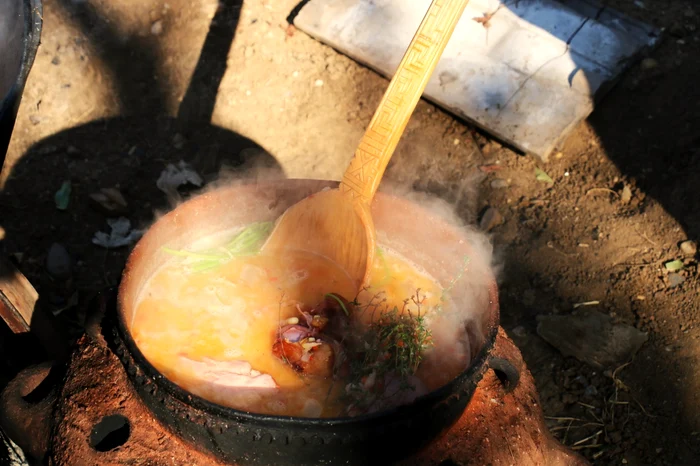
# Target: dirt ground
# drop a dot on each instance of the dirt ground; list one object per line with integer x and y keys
{"x": 121, "y": 88}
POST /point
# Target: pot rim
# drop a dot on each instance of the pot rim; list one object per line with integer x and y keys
{"x": 475, "y": 369}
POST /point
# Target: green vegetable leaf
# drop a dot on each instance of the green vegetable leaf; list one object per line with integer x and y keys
{"x": 674, "y": 266}
{"x": 540, "y": 175}
{"x": 247, "y": 242}
{"x": 62, "y": 196}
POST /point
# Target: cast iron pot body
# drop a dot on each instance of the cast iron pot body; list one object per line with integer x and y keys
{"x": 245, "y": 438}
{"x": 20, "y": 30}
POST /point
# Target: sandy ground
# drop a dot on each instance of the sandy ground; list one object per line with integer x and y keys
{"x": 121, "y": 88}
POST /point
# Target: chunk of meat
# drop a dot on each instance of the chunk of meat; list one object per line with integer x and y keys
{"x": 333, "y": 316}
{"x": 313, "y": 358}
{"x": 233, "y": 374}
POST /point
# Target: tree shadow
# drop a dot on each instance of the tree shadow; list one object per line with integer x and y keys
{"x": 128, "y": 152}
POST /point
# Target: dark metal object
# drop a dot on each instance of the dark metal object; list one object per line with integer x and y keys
{"x": 252, "y": 439}
{"x": 20, "y": 33}
{"x": 60, "y": 415}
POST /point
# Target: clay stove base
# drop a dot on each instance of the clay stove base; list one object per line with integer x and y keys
{"x": 497, "y": 428}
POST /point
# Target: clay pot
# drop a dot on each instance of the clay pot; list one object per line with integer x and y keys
{"x": 241, "y": 437}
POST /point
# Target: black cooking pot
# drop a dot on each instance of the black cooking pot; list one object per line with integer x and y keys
{"x": 20, "y": 31}
{"x": 246, "y": 438}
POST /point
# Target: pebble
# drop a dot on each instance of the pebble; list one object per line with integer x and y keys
{"x": 677, "y": 30}
{"x": 499, "y": 183}
{"x": 591, "y": 337}
{"x": 318, "y": 83}
{"x": 675, "y": 280}
{"x": 626, "y": 195}
{"x": 58, "y": 262}
{"x": 157, "y": 27}
{"x": 649, "y": 64}
{"x": 490, "y": 148}
{"x": 689, "y": 248}
{"x": 110, "y": 201}
{"x": 491, "y": 219}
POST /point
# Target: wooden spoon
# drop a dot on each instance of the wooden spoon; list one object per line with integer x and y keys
{"x": 336, "y": 223}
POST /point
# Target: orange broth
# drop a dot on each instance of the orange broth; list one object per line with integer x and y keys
{"x": 189, "y": 325}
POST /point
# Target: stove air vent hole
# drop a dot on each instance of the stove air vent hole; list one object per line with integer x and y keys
{"x": 111, "y": 432}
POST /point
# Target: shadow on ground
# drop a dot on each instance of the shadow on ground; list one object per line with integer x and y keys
{"x": 658, "y": 155}
{"x": 128, "y": 152}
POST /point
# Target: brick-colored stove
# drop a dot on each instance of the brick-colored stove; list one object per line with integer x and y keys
{"x": 56, "y": 422}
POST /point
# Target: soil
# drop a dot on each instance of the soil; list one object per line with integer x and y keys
{"x": 120, "y": 89}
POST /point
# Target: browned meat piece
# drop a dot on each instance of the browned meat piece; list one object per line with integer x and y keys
{"x": 332, "y": 316}
{"x": 313, "y": 358}
{"x": 320, "y": 361}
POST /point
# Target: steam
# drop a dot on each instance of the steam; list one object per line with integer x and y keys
{"x": 257, "y": 166}
{"x": 460, "y": 331}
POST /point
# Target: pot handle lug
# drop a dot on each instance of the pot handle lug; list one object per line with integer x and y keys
{"x": 26, "y": 407}
{"x": 506, "y": 361}
{"x": 506, "y": 372}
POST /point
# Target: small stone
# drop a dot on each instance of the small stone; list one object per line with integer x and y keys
{"x": 590, "y": 392}
{"x": 110, "y": 202}
{"x": 35, "y": 120}
{"x": 456, "y": 142}
{"x": 318, "y": 83}
{"x": 491, "y": 219}
{"x": 689, "y": 248}
{"x": 58, "y": 262}
{"x": 490, "y": 148}
{"x": 157, "y": 27}
{"x": 592, "y": 337}
{"x": 649, "y": 64}
{"x": 675, "y": 280}
{"x": 178, "y": 141}
{"x": 56, "y": 61}
{"x": 677, "y": 30}
{"x": 499, "y": 183}
{"x": 626, "y": 195}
